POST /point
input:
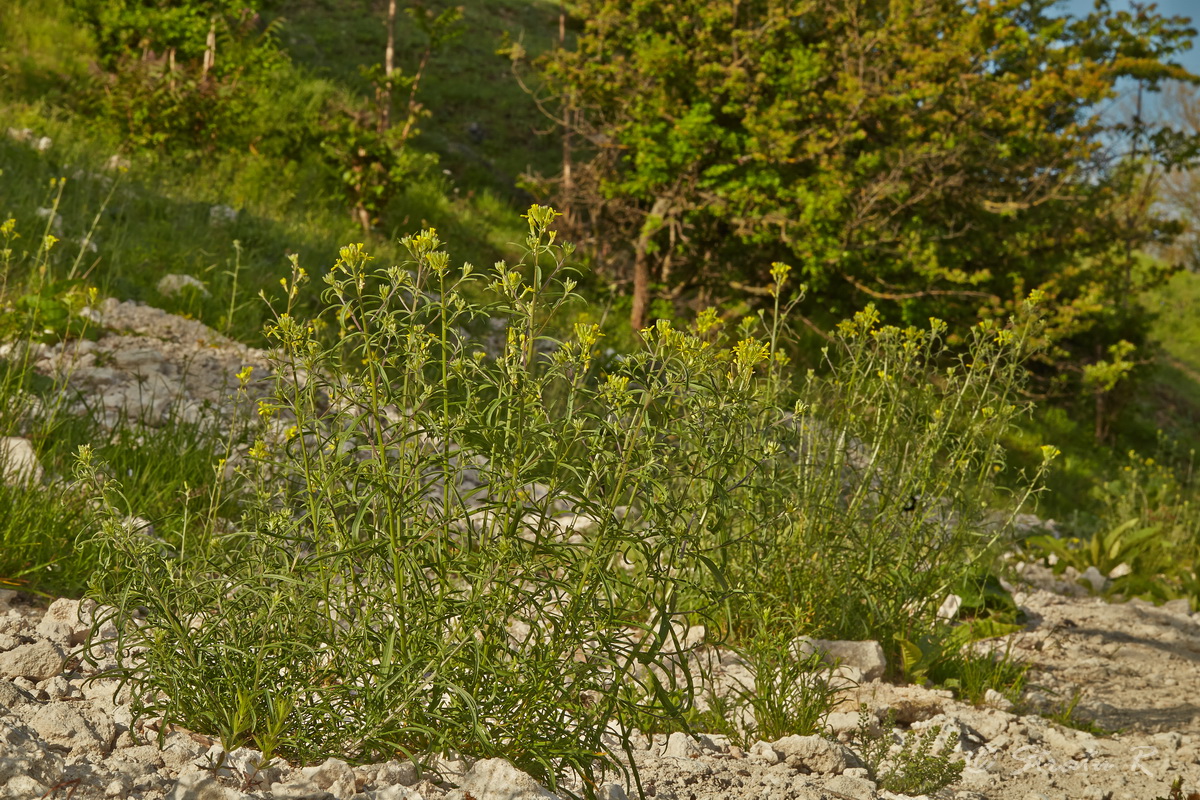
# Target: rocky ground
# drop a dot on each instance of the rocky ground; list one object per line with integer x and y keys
{"x": 1130, "y": 671}
{"x": 1134, "y": 665}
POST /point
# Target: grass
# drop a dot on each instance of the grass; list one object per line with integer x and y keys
{"x": 157, "y": 219}
{"x": 471, "y": 86}
{"x": 421, "y": 515}
{"x": 1065, "y": 715}
{"x": 702, "y": 492}
{"x": 917, "y": 765}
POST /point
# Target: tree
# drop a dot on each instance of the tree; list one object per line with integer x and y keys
{"x": 934, "y": 156}
{"x": 1180, "y": 188}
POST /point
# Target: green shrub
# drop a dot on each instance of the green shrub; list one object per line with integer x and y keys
{"x": 498, "y": 551}
{"x": 1142, "y": 531}
{"x": 886, "y": 499}
{"x": 45, "y": 524}
{"x": 919, "y": 765}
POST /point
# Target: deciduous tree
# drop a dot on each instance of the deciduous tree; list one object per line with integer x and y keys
{"x": 934, "y": 156}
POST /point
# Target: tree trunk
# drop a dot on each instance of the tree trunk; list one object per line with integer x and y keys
{"x": 641, "y": 287}
{"x": 641, "y": 266}
{"x": 568, "y": 180}
{"x": 210, "y": 50}
{"x": 389, "y": 65}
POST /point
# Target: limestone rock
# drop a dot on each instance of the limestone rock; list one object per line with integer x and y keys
{"x": 815, "y": 754}
{"x": 496, "y": 779}
{"x": 11, "y": 696}
{"x": 398, "y": 793}
{"x": 680, "y": 745}
{"x": 69, "y": 725}
{"x": 334, "y": 777}
{"x": 25, "y": 757}
{"x": 37, "y": 662}
{"x": 19, "y": 465}
{"x": 401, "y": 773}
{"x": 62, "y": 623}
{"x": 852, "y": 788}
{"x": 201, "y": 786}
{"x": 175, "y": 283}
{"x": 866, "y": 657}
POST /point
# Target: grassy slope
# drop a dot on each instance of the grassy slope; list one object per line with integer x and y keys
{"x": 1160, "y": 418}
{"x": 157, "y": 219}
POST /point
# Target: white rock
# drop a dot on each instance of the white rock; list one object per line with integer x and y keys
{"x": 1181, "y": 606}
{"x": 118, "y": 787}
{"x": 11, "y": 696}
{"x": 680, "y": 745}
{"x": 180, "y": 752}
{"x": 62, "y": 622}
{"x": 1097, "y": 581}
{"x": 59, "y": 688}
{"x": 174, "y": 283}
{"x": 134, "y": 762}
{"x": 66, "y": 725}
{"x": 398, "y": 793}
{"x": 994, "y": 699}
{"x": 23, "y": 786}
{"x": 853, "y": 788}
{"x": 842, "y": 724}
{"x": 403, "y": 773}
{"x": 245, "y": 764}
{"x": 611, "y": 791}
{"x": 1120, "y": 571}
{"x": 333, "y": 776}
{"x": 23, "y": 753}
{"x": 762, "y": 751}
{"x": 496, "y": 779}
{"x": 220, "y": 214}
{"x": 948, "y": 610}
{"x": 37, "y": 662}
{"x": 815, "y": 754}
{"x": 865, "y": 656}
{"x": 19, "y": 465}
{"x": 300, "y": 789}
{"x": 201, "y": 786}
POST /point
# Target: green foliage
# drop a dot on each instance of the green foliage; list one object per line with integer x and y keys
{"x": 186, "y": 73}
{"x": 791, "y": 694}
{"x": 368, "y": 154}
{"x": 1064, "y": 714}
{"x": 945, "y": 162}
{"x": 1177, "y": 792}
{"x": 508, "y": 629}
{"x": 409, "y": 496}
{"x": 130, "y": 27}
{"x": 37, "y": 304}
{"x": 1143, "y": 534}
{"x": 891, "y": 480}
{"x": 918, "y": 765}
{"x": 45, "y": 521}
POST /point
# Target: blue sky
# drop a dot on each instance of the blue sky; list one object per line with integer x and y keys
{"x": 1170, "y": 8}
